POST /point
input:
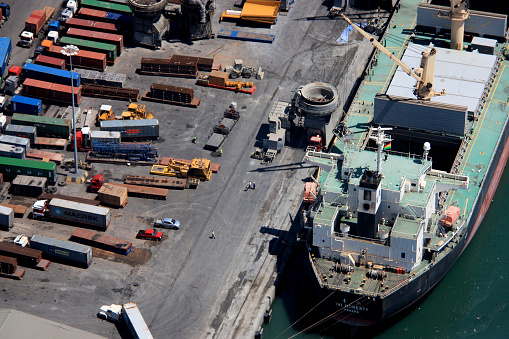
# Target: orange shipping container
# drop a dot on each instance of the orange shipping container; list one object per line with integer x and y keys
{"x": 47, "y": 43}
{"x": 51, "y": 91}
{"x": 50, "y": 61}
{"x": 85, "y": 59}
{"x": 35, "y": 22}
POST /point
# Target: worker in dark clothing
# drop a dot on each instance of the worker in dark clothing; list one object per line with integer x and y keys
{"x": 254, "y": 185}
{"x": 194, "y": 140}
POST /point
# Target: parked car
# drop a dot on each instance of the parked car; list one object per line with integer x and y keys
{"x": 150, "y": 234}
{"x": 167, "y": 223}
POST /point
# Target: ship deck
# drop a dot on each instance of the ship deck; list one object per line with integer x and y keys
{"x": 482, "y": 139}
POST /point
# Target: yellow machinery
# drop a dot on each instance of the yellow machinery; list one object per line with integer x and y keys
{"x": 136, "y": 111}
{"x": 198, "y": 168}
{"x": 105, "y": 113}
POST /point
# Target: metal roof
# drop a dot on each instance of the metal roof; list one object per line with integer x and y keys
{"x": 16, "y": 324}
{"x": 462, "y": 74}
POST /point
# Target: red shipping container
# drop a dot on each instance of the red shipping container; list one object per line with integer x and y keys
{"x": 93, "y": 25}
{"x": 50, "y": 61}
{"x": 85, "y": 59}
{"x": 87, "y": 13}
{"x": 116, "y": 39}
{"x": 36, "y": 21}
{"x": 51, "y": 91}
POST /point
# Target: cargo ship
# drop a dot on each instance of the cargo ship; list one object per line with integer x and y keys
{"x": 415, "y": 163}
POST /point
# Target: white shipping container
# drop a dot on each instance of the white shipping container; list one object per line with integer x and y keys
{"x": 104, "y": 136}
{"x": 6, "y": 217}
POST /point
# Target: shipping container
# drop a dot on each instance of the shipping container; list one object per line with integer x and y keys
{"x": 101, "y": 241}
{"x": 107, "y": 6}
{"x": 105, "y": 27}
{"x": 29, "y": 132}
{"x": 50, "y": 61}
{"x": 11, "y": 167}
{"x": 119, "y": 19}
{"x": 104, "y": 136}
{"x": 51, "y": 91}
{"x": 145, "y": 191}
{"x": 112, "y": 195}
{"x": 66, "y": 251}
{"x": 26, "y": 105}
{"x": 5, "y": 54}
{"x": 6, "y": 218}
{"x": 28, "y": 185}
{"x": 93, "y": 14}
{"x": 109, "y": 38}
{"x": 16, "y": 141}
{"x": 133, "y": 129}
{"x": 172, "y": 93}
{"x": 11, "y": 151}
{"x": 25, "y": 256}
{"x": 77, "y": 212}
{"x": 50, "y": 74}
{"x": 46, "y": 126}
{"x": 8, "y": 265}
{"x": 204, "y": 64}
{"x": 100, "y": 47}
{"x": 134, "y": 321}
{"x": 85, "y": 59}
{"x": 35, "y": 21}
{"x": 49, "y": 196}
{"x": 169, "y": 67}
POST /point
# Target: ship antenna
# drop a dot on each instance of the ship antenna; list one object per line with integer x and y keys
{"x": 426, "y": 147}
{"x": 380, "y": 138}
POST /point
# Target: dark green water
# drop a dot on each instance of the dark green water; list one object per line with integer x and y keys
{"x": 471, "y": 301}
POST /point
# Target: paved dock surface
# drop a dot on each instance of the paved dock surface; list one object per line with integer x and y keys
{"x": 189, "y": 285}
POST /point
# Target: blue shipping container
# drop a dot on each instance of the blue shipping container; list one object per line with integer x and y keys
{"x": 5, "y": 53}
{"x": 118, "y": 18}
{"x": 26, "y": 105}
{"x": 54, "y": 25}
{"x": 50, "y": 74}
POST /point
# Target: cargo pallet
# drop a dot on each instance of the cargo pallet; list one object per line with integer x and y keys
{"x": 234, "y": 89}
{"x": 194, "y": 103}
{"x": 179, "y": 75}
{"x": 16, "y": 275}
{"x": 37, "y": 154}
{"x": 246, "y": 36}
{"x": 100, "y": 91}
{"x": 175, "y": 183}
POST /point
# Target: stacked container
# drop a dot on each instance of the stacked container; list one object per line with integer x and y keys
{"x": 10, "y": 151}
{"x": 46, "y": 126}
{"x": 50, "y": 74}
{"x": 11, "y": 167}
{"x": 93, "y": 25}
{"x": 29, "y": 132}
{"x": 29, "y": 186}
{"x": 86, "y": 59}
{"x": 6, "y": 218}
{"x": 109, "y": 38}
{"x": 36, "y": 21}
{"x": 48, "y": 61}
{"x": 109, "y": 49}
{"x": 24, "y": 143}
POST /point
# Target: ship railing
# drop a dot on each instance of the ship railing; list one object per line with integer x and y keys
{"x": 401, "y": 154}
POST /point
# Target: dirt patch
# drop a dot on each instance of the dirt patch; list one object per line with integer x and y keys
{"x": 138, "y": 256}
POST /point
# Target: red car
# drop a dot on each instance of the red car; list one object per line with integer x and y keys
{"x": 150, "y": 234}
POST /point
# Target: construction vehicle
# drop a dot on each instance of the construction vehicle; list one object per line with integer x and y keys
{"x": 239, "y": 70}
{"x": 136, "y": 111}
{"x": 96, "y": 182}
{"x": 199, "y": 169}
{"x": 131, "y": 152}
{"x": 424, "y": 74}
{"x": 105, "y": 113}
{"x": 316, "y": 144}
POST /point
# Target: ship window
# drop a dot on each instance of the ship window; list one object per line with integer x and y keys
{"x": 367, "y": 195}
{"x": 366, "y": 207}
{"x": 403, "y": 255}
{"x": 413, "y": 185}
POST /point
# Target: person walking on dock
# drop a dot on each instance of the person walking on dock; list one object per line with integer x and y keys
{"x": 194, "y": 140}
{"x": 220, "y": 152}
{"x": 213, "y": 236}
{"x": 254, "y": 185}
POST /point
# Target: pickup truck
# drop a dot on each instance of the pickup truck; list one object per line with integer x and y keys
{"x": 150, "y": 234}
{"x": 167, "y": 223}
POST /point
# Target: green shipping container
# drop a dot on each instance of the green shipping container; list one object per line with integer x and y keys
{"x": 100, "y": 47}
{"x": 11, "y": 167}
{"x": 46, "y": 126}
{"x": 107, "y": 6}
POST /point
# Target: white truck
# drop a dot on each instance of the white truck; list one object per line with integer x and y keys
{"x": 130, "y": 314}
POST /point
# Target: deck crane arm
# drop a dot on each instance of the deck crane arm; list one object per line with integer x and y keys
{"x": 424, "y": 76}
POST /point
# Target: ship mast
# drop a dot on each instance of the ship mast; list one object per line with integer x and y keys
{"x": 380, "y": 138}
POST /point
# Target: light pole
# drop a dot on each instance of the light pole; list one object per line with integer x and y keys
{"x": 71, "y": 50}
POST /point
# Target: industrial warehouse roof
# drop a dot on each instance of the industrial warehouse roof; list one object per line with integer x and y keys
{"x": 462, "y": 74}
{"x": 16, "y": 324}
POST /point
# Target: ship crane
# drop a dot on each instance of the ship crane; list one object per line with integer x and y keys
{"x": 425, "y": 73}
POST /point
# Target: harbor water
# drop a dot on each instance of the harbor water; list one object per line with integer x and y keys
{"x": 471, "y": 301}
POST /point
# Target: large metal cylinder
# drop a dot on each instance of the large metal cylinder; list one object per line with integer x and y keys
{"x": 147, "y": 8}
{"x": 318, "y": 98}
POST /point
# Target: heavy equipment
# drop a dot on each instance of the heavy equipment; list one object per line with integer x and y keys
{"x": 199, "y": 169}
{"x": 105, "y": 113}
{"x": 96, "y": 182}
{"x": 316, "y": 144}
{"x": 131, "y": 152}
{"x": 68, "y": 163}
{"x": 239, "y": 70}
{"x": 136, "y": 111}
